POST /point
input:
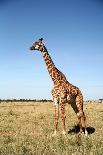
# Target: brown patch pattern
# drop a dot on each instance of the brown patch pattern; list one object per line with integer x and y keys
{"x": 63, "y": 91}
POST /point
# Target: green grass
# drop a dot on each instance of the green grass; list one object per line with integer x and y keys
{"x": 27, "y": 128}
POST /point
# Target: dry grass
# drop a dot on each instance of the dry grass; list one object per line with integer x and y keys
{"x": 26, "y": 129}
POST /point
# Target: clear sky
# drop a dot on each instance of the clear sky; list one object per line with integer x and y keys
{"x": 73, "y": 34}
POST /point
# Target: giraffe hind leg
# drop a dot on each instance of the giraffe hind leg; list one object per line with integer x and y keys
{"x": 74, "y": 106}
{"x": 80, "y": 113}
{"x": 81, "y": 118}
{"x": 77, "y": 106}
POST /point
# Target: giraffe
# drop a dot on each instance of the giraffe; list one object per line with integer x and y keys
{"x": 62, "y": 92}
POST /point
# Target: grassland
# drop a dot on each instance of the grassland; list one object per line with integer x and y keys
{"x": 26, "y": 129}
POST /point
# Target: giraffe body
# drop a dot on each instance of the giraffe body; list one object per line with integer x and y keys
{"x": 63, "y": 91}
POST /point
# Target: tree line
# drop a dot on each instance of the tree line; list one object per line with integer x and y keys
{"x": 24, "y": 100}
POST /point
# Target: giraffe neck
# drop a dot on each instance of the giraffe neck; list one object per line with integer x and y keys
{"x": 55, "y": 74}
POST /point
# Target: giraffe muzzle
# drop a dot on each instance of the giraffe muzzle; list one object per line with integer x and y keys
{"x": 31, "y": 48}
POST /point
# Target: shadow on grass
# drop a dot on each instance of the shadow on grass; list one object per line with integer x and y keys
{"x": 76, "y": 129}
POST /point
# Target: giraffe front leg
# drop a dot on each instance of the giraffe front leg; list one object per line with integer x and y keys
{"x": 63, "y": 117}
{"x": 62, "y": 104}
{"x": 56, "y": 115}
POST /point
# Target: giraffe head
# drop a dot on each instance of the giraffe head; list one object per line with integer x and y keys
{"x": 38, "y": 45}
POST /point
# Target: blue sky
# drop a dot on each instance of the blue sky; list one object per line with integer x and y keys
{"x": 73, "y": 34}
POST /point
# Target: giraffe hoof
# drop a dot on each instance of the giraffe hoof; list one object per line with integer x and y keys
{"x": 55, "y": 133}
{"x": 86, "y": 133}
{"x": 64, "y": 132}
{"x": 81, "y": 131}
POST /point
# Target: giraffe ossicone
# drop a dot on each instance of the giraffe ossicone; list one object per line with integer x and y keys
{"x": 63, "y": 91}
